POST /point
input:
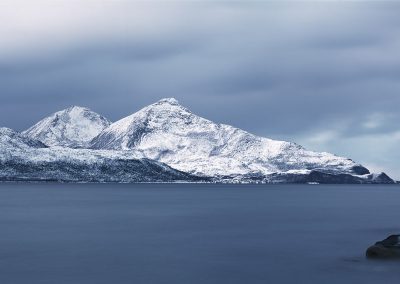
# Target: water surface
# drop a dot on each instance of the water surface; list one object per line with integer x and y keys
{"x": 124, "y": 233}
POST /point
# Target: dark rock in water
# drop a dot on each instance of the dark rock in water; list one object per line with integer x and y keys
{"x": 388, "y": 248}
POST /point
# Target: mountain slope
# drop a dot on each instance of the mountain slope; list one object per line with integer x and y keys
{"x": 170, "y": 133}
{"x": 73, "y": 127}
{"x": 25, "y": 159}
{"x": 9, "y": 140}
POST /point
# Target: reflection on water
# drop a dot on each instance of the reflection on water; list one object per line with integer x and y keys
{"x": 60, "y": 233}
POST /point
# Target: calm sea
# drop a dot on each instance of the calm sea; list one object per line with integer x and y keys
{"x": 130, "y": 233}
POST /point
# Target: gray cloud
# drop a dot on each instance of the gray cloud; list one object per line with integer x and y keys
{"x": 312, "y": 72}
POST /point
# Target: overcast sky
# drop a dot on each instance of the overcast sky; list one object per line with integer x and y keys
{"x": 323, "y": 74}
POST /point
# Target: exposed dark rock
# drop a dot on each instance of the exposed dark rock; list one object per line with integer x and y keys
{"x": 386, "y": 249}
{"x": 107, "y": 170}
{"x": 315, "y": 176}
{"x": 360, "y": 170}
{"x": 320, "y": 177}
{"x": 328, "y": 178}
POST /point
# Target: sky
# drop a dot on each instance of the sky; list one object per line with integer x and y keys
{"x": 324, "y": 74}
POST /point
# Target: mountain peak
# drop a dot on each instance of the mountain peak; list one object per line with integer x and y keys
{"x": 162, "y": 114}
{"x": 73, "y": 127}
{"x": 164, "y": 108}
{"x": 171, "y": 101}
{"x": 75, "y": 108}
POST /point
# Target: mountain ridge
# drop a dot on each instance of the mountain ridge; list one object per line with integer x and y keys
{"x": 170, "y": 136}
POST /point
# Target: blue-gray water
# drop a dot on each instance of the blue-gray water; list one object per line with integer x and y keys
{"x": 108, "y": 233}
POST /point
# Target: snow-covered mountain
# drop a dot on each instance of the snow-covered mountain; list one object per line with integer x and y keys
{"x": 73, "y": 127}
{"x": 163, "y": 142}
{"x": 22, "y": 158}
{"x": 168, "y": 132}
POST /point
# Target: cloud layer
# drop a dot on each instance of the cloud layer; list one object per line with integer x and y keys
{"x": 324, "y": 74}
